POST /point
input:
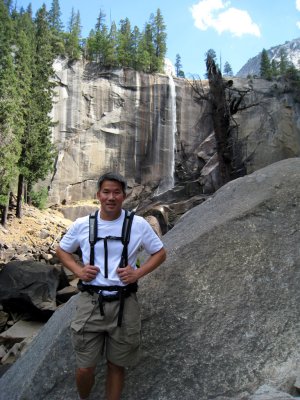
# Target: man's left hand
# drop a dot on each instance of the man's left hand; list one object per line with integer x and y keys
{"x": 127, "y": 274}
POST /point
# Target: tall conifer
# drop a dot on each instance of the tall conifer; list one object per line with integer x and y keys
{"x": 265, "y": 65}
{"x": 37, "y": 150}
{"x": 10, "y": 117}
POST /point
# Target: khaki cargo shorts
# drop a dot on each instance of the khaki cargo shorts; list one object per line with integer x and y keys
{"x": 92, "y": 333}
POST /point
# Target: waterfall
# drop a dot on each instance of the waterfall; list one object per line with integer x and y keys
{"x": 136, "y": 131}
{"x": 167, "y": 181}
{"x": 174, "y": 128}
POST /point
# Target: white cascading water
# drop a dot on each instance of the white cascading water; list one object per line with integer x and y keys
{"x": 137, "y": 104}
{"x": 167, "y": 182}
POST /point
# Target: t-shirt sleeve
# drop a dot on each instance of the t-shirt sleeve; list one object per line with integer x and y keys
{"x": 150, "y": 241}
{"x": 69, "y": 242}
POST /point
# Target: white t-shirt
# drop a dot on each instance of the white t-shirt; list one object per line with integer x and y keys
{"x": 141, "y": 234}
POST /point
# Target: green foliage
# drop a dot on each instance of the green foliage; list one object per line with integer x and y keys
{"x": 54, "y": 17}
{"x": 159, "y": 41}
{"x": 56, "y": 28}
{"x": 39, "y": 199}
{"x": 278, "y": 68}
{"x": 11, "y": 121}
{"x": 227, "y": 70}
{"x": 37, "y": 150}
{"x": 178, "y": 67}
{"x": 125, "y": 44}
{"x": 126, "y": 47}
{"x": 265, "y": 66}
{"x": 72, "y": 37}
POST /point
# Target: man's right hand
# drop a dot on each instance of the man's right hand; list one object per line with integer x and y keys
{"x": 88, "y": 273}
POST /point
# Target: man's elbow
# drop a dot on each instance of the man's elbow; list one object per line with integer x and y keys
{"x": 163, "y": 254}
{"x": 60, "y": 252}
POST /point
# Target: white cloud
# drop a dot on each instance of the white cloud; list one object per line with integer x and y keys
{"x": 218, "y": 15}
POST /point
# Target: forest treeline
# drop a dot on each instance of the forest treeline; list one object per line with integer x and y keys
{"x": 28, "y": 46}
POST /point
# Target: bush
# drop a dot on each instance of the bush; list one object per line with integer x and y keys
{"x": 39, "y": 198}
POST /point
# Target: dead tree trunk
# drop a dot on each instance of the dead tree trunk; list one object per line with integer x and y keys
{"x": 221, "y": 119}
{"x": 19, "y": 196}
{"x": 4, "y": 213}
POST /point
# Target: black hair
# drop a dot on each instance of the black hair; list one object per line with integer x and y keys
{"x": 112, "y": 176}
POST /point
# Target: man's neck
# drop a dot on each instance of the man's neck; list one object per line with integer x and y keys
{"x": 109, "y": 217}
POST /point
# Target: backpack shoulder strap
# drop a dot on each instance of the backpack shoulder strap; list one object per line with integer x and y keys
{"x": 126, "y": 230}
{"x": 93, "y": 219}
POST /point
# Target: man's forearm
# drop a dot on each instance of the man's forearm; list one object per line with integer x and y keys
{"x": 68, "y": 261}
{"x": 86, "y": 273}
{"x": 152, "y": 263}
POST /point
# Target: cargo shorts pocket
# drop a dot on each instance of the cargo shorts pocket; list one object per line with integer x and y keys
{"x": 84, "y": 309}
{"x": 132, "y": 321}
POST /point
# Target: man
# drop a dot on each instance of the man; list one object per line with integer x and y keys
{"x": 107, "y": 311}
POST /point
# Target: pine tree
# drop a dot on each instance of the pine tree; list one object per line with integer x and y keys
{"x": 125, "y": 44}
{"x": 159, "y": 41}
{"x": 72, "y": 44}
{"x": 178, "y": 64}
{"x": 283, "y": 61}
{"x": 56, "y": 26}
{"x": 24, "y": 64}
{"x": 211, "y": 54}
{"x": 265, "y": 66}
{"x": 178, "y": 67}
{"x": 274, "y": 67}
{"x": 54, "y": 17}
{"x": 11, "y": 123}
{"x": 147, "y": 49}
{"x": 101, "y": 40}
{"x": 37, "y": 154}
{"x": 136, "y": 38}
{"x": 227, "y": 71}
{"x": 90, "y": 46}
{"x": 143, "y": 58}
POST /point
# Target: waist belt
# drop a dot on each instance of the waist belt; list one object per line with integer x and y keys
{"x": 123, "y": 292}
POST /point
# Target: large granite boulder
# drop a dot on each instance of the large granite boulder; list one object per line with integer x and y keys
{"x": 220, "y": 317}
{"x": 29, "y": 287}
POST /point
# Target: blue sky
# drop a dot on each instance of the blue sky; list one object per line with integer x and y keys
{"x": 237, "y": 29}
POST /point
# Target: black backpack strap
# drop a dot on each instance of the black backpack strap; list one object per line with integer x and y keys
{"x": 126, "y": 230}
{"x": 93, "y": 223}
{"x": 93, "y": 238}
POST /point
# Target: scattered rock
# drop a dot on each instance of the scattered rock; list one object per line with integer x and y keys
{"x": 21, "y": 330}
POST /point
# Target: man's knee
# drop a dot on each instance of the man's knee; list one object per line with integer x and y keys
{"x": 85, "y": 372}
{"x": 114, "y": 368}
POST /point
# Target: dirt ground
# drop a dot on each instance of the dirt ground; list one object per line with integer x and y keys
{"x": 30, "y": 228}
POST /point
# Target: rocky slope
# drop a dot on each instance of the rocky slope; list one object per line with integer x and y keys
{"x": 34, "y": 236}
{"x": 292, "y": 49}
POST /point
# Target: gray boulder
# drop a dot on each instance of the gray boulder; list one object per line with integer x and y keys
{"x": 30, "y": 287}
{"x": 220, "y": 317}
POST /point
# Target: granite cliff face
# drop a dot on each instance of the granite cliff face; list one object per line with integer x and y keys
{"x": 150, "y": 129}
{"x": 117, "y": 120}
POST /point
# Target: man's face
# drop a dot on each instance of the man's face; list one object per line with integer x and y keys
{"x": 111, "y": 198}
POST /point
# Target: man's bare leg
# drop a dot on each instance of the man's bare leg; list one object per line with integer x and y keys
{"x": 85, "y": 379}
{"x": 114, "y": 381}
